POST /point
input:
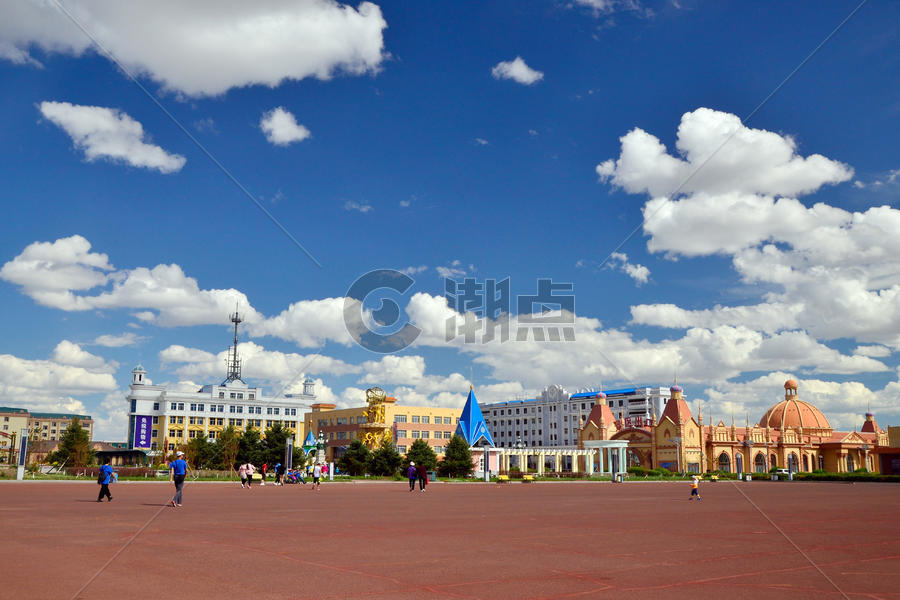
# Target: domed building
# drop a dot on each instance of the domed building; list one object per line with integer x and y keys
{"x": 792, "y": 434}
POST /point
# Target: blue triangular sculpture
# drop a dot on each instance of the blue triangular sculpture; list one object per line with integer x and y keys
{"x": 471, "y": 424}
{"x": 310, "y": 441}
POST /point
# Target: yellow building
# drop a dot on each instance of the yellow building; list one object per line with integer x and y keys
{"x": 403, "y": 424}
{"x": 12, "y": 422}
{"x": 792, "y": 434}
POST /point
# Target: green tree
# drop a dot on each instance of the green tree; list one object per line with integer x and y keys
{"x": 228, "y": 445}
{"x": 385, "y": 459}
{"x": 457, "y": 459}
{"x": 74, "y": 446}
{"x": 200, "y": 453}
{"x": 251, "y": 447}
{"x": 356, "y": 459}
{"x": 275, "y": 442}
{"x": 422, "y": 454}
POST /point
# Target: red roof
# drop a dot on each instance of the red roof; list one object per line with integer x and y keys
{"x": 603, "y": 411}
{"x": 677, "y": 410}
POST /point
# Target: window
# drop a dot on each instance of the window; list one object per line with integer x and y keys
{"x": 173, "y": 406}
{"x": 323, "y": 423}
{"x": 181, "y": 420}
{"x": 426, "y": 419}
{"x": 240, "y": 410}
{"x": 415, "y": 434}
{"x": 200, "y": 408}
{"x": 425, "y": 435}
{"x": 193, "y": 407}
{"x": 251, "y": 396}
{"x": 212, "y": 435}
{"x": 156, "y": 406}
{"x": 277, "y": 410}
{"x": 401, "y": 449}
{"x": 232, "y": 395}
{"x": 240, "y": 396}
{"x": 438, "y": 449}
{"x": 342, "y": 421}
{"x": 192, "y": 434}
{"x": 342, "y": 435}
{"x": 232, "y": 409}
{"x": 153, "y": 433}
{"x": 401, "y": 433}
{"x": 399, "y": 418}
{"x": 156, "y": 420}
{"x": 447, "y": 435}
{"x": 221, "y": 394}
{"x": 171, "y": 433}
{"x": 269, "y": 410}
{"x": 447, "y": 421}
{"x": 415, "y": 418}
{"x": 172, "y": 420}
{"x": 181, "y": 406}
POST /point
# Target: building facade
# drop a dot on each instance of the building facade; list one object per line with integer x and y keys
{"x": 792, "y": 434}
{"x": 41, "y": 426}
{"x": 407, "y": 424}
{"x": 554, "y": 417}
{"x": 160, "y": 419}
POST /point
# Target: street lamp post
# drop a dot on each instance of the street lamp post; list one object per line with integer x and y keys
{"x": 487, "y": 463}
{"x": 677, "y": 442}
{"x": 865, "y": 449}
{"x": 520, "y": 445}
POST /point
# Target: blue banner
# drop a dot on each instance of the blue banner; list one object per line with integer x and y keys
{"x": 142, "y": 426}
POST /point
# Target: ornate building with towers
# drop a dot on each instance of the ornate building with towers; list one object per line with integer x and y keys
{"x": 792, "y": 434}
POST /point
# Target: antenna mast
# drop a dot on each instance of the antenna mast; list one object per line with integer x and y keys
{"x": 233, "y": 363}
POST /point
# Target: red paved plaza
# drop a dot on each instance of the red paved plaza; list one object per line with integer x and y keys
{"x": 379, "y": 541}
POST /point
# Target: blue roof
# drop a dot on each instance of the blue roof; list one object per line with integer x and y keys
{"x": 586, "y": 395}
{"x": 471, "y": 423}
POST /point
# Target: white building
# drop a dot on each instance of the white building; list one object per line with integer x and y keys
{"x": 160, "y": 419}
{"x": 554, "y": 416}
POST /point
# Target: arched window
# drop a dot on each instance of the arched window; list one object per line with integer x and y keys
{"x": 805, "y": 463}
{"x": 724, "y": 463}
{"x": 773, "y": 462}
{"x": 793, "y": 463}
{"x": 739, "y": 463}
{"x": 759, "y": 464}
{"x": 850, "y": 466}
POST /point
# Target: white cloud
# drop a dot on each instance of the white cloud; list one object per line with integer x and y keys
{"x": 117, "y": 341}
{"x": 52, "y": 273}
{"x": 482, "y": 142}
{"x": 111, "y": 134}
{"x": 516, "y": 70}
{"x": 352, "y": 205}
{"x": 753, "y": 161}
{"x": 639, "y": 273}
{"x": 454, "y": 270}
{"x": 281, "y": 127}
{"x": 308, "y": 323}
{"x": 205, "y": 48}
{"x": 414, "y": 270}
{"x": 876, "y": 351}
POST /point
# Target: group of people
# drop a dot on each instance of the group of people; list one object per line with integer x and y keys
{"x": 417, "y": 473}
{"x": 247, "y": 469}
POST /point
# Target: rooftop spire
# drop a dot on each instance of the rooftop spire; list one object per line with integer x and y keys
{"x": 233, "y": 363}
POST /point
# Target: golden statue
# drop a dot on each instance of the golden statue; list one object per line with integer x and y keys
{"x": 375, "y": 397}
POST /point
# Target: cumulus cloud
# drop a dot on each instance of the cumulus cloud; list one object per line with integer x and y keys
{"x": 52, "y": 384}
{"x": 281, "y": 127}
{"x": 205, "y": 48}
{"x": 118, "y": 341}
{"x": 830, "y": 272}
{"x": 516, "y": 70}
{"x": 54, "y": 274}
{"x": 106, "y": 133}
{"x": 619, "y": 261}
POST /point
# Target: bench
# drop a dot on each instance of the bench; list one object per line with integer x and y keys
{"x": 527, "y": 478}
{"x": 502, "y": 478}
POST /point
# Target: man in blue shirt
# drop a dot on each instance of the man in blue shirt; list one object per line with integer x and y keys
{"x": 177, "y": 471}
{"x": 103, "y": 479}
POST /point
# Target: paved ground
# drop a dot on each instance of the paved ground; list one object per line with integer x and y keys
{"x": 378, "y": 541}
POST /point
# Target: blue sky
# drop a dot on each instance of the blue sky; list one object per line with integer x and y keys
{"x": 484, "y": 140}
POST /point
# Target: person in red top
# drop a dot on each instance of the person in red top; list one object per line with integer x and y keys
{"x": 422, "y": 473}
{"x": 264, "y": 469}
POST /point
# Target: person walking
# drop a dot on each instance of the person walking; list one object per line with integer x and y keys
{"x": 177, "y": 472}
{"x": 695, "y": 488}
{"x": 242, "y": 471}
{"x": 250, "y": 469}
{"x": 412, "y": 473}
{"x": 279, "y": 474}
{"x": 422, "y": 473}
{"x": 317, "y": 476}
{"x": 104, "y": 478}
{"x": 263, "y": 470}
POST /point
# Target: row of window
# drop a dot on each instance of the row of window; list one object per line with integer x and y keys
{"x": 425, "y": 419}
{"x": 437, "y": 449}
{"x": 232, "y": 408}
{"x": 416, "y": 434}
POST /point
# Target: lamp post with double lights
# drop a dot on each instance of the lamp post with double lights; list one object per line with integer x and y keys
{"x": 520, "y": 445}
{"x": 677, "y": 442}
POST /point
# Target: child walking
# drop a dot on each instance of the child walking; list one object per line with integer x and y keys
{"x": 695, "y": 488}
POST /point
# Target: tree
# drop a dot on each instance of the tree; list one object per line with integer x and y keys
{"x": 422, "y": 454}
{"x": 356, "y": 459}
{"x": 200, "y": 453}
{"x": 251, "y": 447}
{"x": 228, "y": 445}
{"x": 74, "y": 445}
{"x": 385, "y": 459}
{"x": 276, "y": 440}
{"x": 457, "y": 459}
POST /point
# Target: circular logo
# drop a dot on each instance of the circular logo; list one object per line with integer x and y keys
{"x": 369, "y": 299}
